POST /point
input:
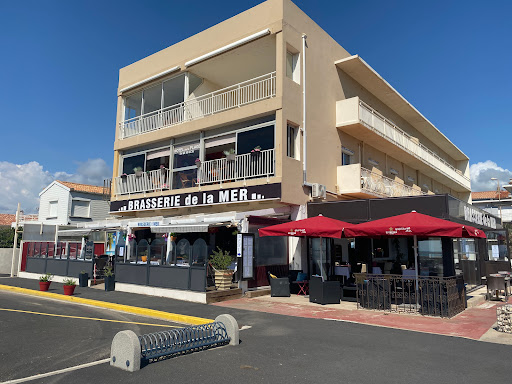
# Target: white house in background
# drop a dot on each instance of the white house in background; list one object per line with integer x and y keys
{"x": 66, "y": 203}
{"x": 499, "y": 205}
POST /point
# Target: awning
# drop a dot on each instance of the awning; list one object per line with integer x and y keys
{"x": 180, "y": 228}
{"x": 73, "y": 232}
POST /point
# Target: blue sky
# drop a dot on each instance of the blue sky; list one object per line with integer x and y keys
{"x": 60, "y": 63}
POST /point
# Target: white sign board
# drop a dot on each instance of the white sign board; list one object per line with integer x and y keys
{"x": 496, "y": 251}
{"x": 247, "y": 254}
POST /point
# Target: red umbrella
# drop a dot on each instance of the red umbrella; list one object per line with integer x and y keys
{"x": 412, "y": 224}
{"x": 318, "y": 226}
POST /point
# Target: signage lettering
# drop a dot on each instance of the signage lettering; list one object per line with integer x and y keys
{"x": 478, "y": 217}
{"x": 232, "y": 195}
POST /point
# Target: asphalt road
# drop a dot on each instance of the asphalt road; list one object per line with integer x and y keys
{"x": 276, "y": 349}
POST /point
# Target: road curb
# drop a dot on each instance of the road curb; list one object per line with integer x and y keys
{"x": 117, "y": 307}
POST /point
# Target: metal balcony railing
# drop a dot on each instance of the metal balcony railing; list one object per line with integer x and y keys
{"x": 246, "y": 166}
{"x": 234, "y": 96}
{"x": 382, "y": 126}
{"x": 377, "y": 184}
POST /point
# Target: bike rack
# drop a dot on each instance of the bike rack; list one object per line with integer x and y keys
{"x": 128, "y": 350}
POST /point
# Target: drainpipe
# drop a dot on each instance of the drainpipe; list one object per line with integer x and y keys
{"x": 304, "y": 135}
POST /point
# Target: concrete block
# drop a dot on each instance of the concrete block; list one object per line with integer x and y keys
{"x": 231, "y": 327}
{"x": 125, "y": 352}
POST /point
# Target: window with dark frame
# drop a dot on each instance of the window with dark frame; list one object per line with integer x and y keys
{"x": 291, "y": 141}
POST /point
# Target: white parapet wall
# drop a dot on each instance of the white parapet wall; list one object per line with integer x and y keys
{"x": 178, "y": 294}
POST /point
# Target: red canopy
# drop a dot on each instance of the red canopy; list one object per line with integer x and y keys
{"x": 412, "y": 224}
{"x": 318, "y": 226}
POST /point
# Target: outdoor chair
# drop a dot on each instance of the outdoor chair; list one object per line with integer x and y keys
{"x": 495, "y": 284}
{"x": 324, "y": 292}
{"x": 279, "y": 286}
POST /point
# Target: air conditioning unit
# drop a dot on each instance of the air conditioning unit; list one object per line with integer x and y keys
{"x": 318, "y": 191}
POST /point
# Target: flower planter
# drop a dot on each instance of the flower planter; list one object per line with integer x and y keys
{"x": 174, "y": 238}
{"x": 223, "y": 279}
{"x": 69, "y": 289}
{"x": 138, "y": 173}
{"x": 83, "y": 280}
{"x": 44, "y": 285}
{"x": 231, "y": 157}
{"x": 110, "y": 283}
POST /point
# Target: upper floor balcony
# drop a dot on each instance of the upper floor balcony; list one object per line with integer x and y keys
{"x": 147, "y": 110}
{"x": 363, "y": 122}
{"x": 360, "y": 182}
{"x": 257, "y": 164}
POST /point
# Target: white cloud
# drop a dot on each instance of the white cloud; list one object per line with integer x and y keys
{"x": 481, "y": 174}
{"x": 23, "y": 182}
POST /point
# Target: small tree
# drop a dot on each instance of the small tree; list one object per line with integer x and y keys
{"x": 220, "y": 259}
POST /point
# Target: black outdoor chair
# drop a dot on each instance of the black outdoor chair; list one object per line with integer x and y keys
{"x": 324, "y": 292}
{"x": 279, "y": 286}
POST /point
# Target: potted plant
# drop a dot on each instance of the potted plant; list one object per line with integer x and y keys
{"x": 198, "y": 162}
{"x": 220, "y": 261}
{"x": 137, "y": 171}
{"x": 256, "y": 150}
{"x": 69, "y": 286}
{"x": 162, "y": 168}
{"x": 124, "y": 176}
{"x": 110, "y": 282}
{"x": 83, "y": 279}
{"x": 230, "y": 154}
{"x": 45, "y": 281}
{"x": 173, "y": 236}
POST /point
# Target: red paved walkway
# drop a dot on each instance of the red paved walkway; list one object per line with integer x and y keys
{"x": 472, "y": 323}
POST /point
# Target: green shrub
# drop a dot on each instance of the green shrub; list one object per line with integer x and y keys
{"x": 220, "y": 259}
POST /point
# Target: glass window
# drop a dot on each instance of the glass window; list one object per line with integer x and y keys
{"x": 291, "y": 137}
{"x": 345, "y": 158}
{"x": 152, "y": 99}
{"x": 158, "y": 251}
{"x": 193, "y": 82}
{"x": 262, "y": 137}
{"x": 199, "y": 252}
{"x": 185, "y": 178}
{"x": 292, "y": 67}
{"x": 430, "y": 257}
{"x": 132, "y": 162}
{"x": 156, "y": 159}
{"x": 133, "y": 106}
{"x": 142, "y": 252}
{"x": 186, "y": 155}
{"x": 183, "y": 252}
{"x": 174, "y": 91}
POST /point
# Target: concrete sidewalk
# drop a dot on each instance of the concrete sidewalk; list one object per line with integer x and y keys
{"x": 475, "y": 323}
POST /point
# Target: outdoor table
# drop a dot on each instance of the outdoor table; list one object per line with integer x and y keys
{"x": 343, "y": 271}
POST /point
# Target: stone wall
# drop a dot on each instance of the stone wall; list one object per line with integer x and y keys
{"x": 504, "y": 317}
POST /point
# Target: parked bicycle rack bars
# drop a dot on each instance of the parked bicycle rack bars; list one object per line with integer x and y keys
{"x": 128, "y": 350}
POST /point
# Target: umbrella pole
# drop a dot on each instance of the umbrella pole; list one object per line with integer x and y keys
{"x": 415, "y": 247}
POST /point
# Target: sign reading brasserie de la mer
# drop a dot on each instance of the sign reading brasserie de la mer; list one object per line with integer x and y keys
{"x": 195, "y": 199}
{"x": 478, "y": 217}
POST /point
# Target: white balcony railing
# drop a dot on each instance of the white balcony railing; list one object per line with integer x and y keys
{"x": 144, "y": 182}
{"x": 379, "y": 124}
{"x": 234, "y": 96}
{"x": 246, "y": 166}
{"x": 379, "y": 185}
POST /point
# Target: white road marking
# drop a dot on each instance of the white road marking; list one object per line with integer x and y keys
{"x": 243, "y": 328}
{"x": 70, "y": 369}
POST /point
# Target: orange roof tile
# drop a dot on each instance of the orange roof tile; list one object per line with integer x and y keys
{"x": 83, "y": 187}
{"x": 489, "y": 195}
{"x": 7, "y": 219}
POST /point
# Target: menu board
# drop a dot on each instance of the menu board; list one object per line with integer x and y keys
{"x": 89, "y": 250}
{"x": 247, "y": 256}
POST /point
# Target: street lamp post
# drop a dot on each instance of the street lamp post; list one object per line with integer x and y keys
{"x": 499, "y": 197}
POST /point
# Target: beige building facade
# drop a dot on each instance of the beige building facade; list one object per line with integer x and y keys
{"x": 261, "y": 114}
